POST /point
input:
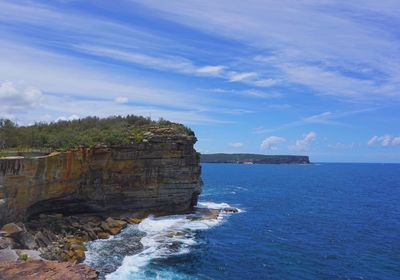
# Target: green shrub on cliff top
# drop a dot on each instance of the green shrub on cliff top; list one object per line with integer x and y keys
{"x": 90, "y": 131}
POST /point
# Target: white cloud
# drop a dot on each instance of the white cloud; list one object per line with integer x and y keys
{"x": 63, "y": 76}
{"x": 328, "y": 82}
{"x": 121, "y": 99}
{"x": 250, "y": 78}
{"x": 266, "y": 82}
{"x": 373, "y": 140}
{"x": 384, "y": 141}
{"x": 178, "y": 64}
{"x": 304, "y": 142}
{"x": 396, "y": 141}
{"x": 17, "y": 98}
{"x": 270, "y": 142}
{"x": 236, "y": 77}
{"x": 349, "y": 43}
{"x": 235, "y": 145}
{"x": 174, "y": 63}
{"x": 211, "y": 70}
{"x": 70, "y": 118}
{"x": 104, "y": 108}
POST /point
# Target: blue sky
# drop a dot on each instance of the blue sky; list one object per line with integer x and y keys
{"x": 312, "y": 77}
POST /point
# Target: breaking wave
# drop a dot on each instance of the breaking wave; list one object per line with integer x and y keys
{"x": 168, "y": 236}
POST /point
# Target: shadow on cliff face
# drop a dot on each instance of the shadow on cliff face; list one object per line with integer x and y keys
{"x": 65, "y": 207}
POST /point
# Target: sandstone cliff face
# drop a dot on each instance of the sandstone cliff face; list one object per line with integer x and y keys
{"x": 159, "y": 174}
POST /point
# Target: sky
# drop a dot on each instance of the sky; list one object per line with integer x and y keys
{"x": 310, "y": 77}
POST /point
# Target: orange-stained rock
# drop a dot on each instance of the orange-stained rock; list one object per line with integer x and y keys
{"x": 11, "y": 229}
{"x": 115, "y": 223}
{"x": 135, "y": 220}
{"x": 103, "y": 235}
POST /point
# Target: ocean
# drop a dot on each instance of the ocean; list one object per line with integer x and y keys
{"x": 318, "y": 221}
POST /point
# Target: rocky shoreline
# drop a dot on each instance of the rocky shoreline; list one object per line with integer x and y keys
{"x": 52, "y": 205}
{"x": 52, "y": 246}
{"x": 60, "y": 238}
{"x": 54, "y": 241}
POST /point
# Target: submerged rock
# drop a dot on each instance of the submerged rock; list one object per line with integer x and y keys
{"x": 230, "y": 210}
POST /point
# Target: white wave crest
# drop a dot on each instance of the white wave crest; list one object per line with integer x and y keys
{"x": 166, "y": 236}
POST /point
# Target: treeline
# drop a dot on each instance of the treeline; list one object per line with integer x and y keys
{"x": 90, "y": 131}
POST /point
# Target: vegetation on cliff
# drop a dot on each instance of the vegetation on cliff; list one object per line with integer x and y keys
{"x": 86, "y": 132}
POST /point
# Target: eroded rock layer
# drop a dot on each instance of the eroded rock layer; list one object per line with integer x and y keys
{"x": 161, "y": 173}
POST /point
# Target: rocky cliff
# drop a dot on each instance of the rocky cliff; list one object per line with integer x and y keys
{"x": 161, "y": 173}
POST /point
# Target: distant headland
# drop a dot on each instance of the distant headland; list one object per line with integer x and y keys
{"x": 253, "y": 159}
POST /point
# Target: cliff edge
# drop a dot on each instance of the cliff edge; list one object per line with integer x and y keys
{"x": 161, "y": 173}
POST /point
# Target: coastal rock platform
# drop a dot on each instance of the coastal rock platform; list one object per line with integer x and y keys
{"x": 45, "y": 270}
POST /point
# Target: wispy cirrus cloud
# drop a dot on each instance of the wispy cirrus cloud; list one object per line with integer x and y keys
{"x": 325, "y": 118}
{"x": 339, "y": 53}
{"x": 262, "y": 94}
{"x": 180, "y": 65}
{"x": 259, "y": 62}
{"x": 66, "y": 86}
{"x": 210, "y": 70}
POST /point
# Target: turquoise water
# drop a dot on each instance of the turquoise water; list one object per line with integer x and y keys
{"x": 322, "y": 221}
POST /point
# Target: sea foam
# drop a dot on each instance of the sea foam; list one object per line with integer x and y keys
{"x": 164, "y": 237}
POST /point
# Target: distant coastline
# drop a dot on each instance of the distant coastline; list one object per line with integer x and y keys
{"x": 253, "y": 159}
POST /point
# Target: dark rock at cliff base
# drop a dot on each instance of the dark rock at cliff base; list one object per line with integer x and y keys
{"x": 27, "y": 241}
{"x": 16, "y": 236}
{"x": 7, "y": 242}
{"x": 42, "y": 240}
